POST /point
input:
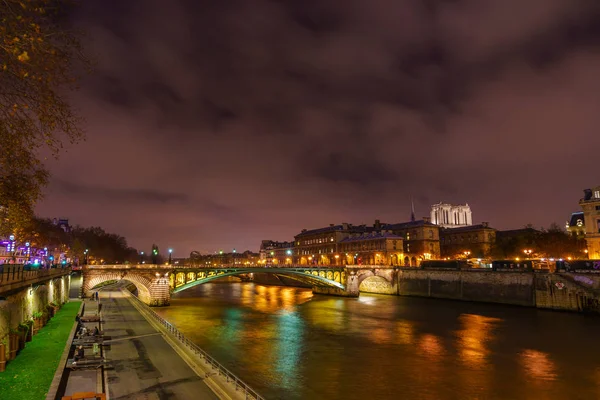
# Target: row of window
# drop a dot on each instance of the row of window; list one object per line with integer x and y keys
{"x": 315, "y": 241}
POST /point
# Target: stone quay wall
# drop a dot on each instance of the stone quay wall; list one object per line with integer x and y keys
{"x": 473, "y": 285}
{"x": 19, "y": 306}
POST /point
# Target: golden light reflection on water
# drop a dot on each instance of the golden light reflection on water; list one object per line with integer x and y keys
{"x": 405, "y": 332}
{"x": 474, "y": 338}
{"x": 381, "y": 335}
{"x": 538, "y": 365}
{"x": 431, "y": 345}
{"x": 270, "y": 299}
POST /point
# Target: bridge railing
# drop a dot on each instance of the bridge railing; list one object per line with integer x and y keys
{"x": 229, "y": 376}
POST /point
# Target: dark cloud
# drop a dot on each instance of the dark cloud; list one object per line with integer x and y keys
{"x": 218, "y": 124}
{"x": 130, "y": 195}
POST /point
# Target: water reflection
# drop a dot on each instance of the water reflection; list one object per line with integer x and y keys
{"x": 538, "y": 365}
{"x": 289, "y": 344}
{"x": 405, "y": 332}
{"x": 431, "y": 346}
{"x": 474, "y": 338}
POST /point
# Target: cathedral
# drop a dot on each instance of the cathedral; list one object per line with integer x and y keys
{"x": 451, "y": 216}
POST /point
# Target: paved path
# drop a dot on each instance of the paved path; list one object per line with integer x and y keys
{"x": 144, "y": 365}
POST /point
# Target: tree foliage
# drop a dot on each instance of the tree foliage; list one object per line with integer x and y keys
{"x": 108, "y": 248}
{"x": 38, "y": 54}
{"x": 553, "y": 242}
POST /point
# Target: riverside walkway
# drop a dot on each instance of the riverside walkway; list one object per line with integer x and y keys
{"x": 143, "y": 364}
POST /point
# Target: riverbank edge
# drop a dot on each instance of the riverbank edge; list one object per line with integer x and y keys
{"x": 220, "y": 387}
{"x": 60, "y": 369}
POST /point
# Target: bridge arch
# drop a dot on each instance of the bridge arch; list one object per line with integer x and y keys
{"x": 376, "y": 284}
{"x": 332, "y": 278}
{"x": 142, "y": 284}
{"x": 153, "y": 288}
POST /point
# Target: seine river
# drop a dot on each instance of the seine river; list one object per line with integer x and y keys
{"x": 290, "y": 344}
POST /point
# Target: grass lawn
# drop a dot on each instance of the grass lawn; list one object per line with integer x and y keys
{"x": 30, "y": 374}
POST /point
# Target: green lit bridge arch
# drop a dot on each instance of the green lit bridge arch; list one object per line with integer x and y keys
{"x": 185, "y": 278}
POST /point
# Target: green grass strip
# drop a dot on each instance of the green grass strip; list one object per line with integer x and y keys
{"x": 28, "y": 377}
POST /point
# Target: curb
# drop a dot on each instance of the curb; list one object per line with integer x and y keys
{"x": 60, "y": 370}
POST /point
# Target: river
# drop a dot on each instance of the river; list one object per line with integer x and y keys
{"x": 290, "y": 344}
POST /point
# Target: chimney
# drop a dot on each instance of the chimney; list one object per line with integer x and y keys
{"x": 377, "y": 224}
{"x": 303, "y": 230}
{"x": 345, "y": 226}
{"x": 426, "y": 219}
{"x": 331, "y": 225}
{"x": 484, "y": 224}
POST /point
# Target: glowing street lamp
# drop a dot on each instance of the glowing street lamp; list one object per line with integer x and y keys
{"x": 528, "y": 252}
{"x": 141, "y": 257}
{"x": 170, "y": 252}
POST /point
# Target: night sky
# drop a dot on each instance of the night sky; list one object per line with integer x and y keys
{"x": 215, "y": 124}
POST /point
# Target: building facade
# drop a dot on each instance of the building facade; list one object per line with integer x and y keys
{"x": 321, "y": 246}
{"x": 590, "y": 204}
{"x": 475, "y": 241}
{"x": 421, "y": 240}
{"x": 276, "y": 253}
{"x": 451, "y": 216}
{"x": 372, "y": 248}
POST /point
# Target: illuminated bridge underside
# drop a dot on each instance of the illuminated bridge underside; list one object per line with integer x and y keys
{"x": 332, "y": 277}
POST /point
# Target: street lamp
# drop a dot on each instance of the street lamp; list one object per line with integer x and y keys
{"x": 28, "y": 251}
{"x": 527, "y": 252}
{"x": 141, "y": 257}
{"x": 170, "y": 252}
{"x": 85, "y": 256}
{"x": 467, "y": 254}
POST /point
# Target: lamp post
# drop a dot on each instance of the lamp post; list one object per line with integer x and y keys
{"x": 12, "y": 245}
{"x": 141, "y": 257}
{"x": 28, "y": 251}
{"x": 170, "y": 252}
{"x": 527, "y": 253}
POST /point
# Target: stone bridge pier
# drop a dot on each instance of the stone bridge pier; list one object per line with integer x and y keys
{"x": 151, "y": 281}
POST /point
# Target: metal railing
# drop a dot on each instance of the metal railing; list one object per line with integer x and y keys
{"x": 230, "y": 377}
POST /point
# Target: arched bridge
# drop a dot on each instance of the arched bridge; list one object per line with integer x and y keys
{"x": 155, "y": 283}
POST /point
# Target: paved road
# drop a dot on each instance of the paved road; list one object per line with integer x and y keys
{"x": 145, "y": 366}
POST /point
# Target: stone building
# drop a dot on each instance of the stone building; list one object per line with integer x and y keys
{"x": 590, "y": 204}
{"x": 372, "y": 248}
{"x": 272, "y": 252}
{"x": 576, "y": 224}
{"x": 451, "y": 216}
{"x": 421, "y": 240}
{"x": 475, "y": 241}
{"x": 320, "y": 246}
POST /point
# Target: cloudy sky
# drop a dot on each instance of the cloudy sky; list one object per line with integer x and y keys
{"x": 215, "y": 124}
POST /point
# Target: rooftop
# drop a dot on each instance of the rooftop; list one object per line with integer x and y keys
{"x": 469, "y": 228}
{"x": 411, "y": 224}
